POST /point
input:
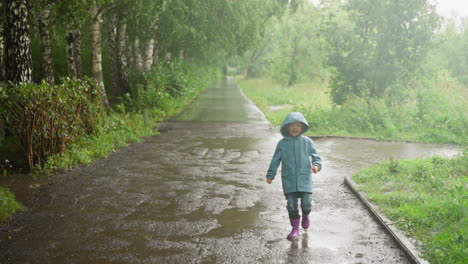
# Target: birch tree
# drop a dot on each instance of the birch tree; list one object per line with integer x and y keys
{"x": 43, "y": 25}
{"x": 18, "y": 60}
{"x": 96, "y": 11}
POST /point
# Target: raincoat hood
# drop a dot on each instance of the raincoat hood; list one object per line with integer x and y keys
{"x": 292, "y": 118}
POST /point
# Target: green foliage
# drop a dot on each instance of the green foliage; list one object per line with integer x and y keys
{"x": 451, "y": 51}
{"x": 8, "y": 204}
{"x": 427, "y": 198}
{"x": 378, "y": 48}
{"x": 115, "y": 131}
{"x": 129, "y": 122}
{"x": 212, "y": 30}
{"x": 166, "y": 84}
{"x": 174, "y": 76}
{"x": 47, "y": 117}
{"x": 276, "y": 101}
{"x": 291, "y": 50}
{"x": 441, "y": 122}
{"x": 430, "y": 116}
{"x": 297, "y": 51}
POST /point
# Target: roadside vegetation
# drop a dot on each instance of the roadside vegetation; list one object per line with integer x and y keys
{"x": 425, "y": 198}
{"x": 438, "y": 117}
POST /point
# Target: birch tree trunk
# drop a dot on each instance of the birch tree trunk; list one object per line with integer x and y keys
{"x": 77, "y": 53}
{"x": 112, "y": 55}
{"x": 131, "y": 59}
{"x": 2, "y": 55}
{"x": 137, "y": 55}
{"x": 149, "y": 55}
{"x": 70, "y": 40}
{"x": 124, "y": 86}
{"x": 18, "y": 60}
{"x": 155, "y": 52}
{"x": 96, "y": 51}
{"x": 47, "y": 65}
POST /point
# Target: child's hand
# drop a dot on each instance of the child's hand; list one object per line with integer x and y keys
{"x": 269, "y": 180}
{"x": 315, "y": 169}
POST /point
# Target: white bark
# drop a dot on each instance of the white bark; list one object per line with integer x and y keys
{"x": 96, "y": 50}
{"x": 77, "y": 53}
{"x": 149, "y": 55}
{"x": 47, "y": 65}
{"x": 122, "y": 59}
{"x": 137, "y": 55}
{"x": 18, "y": 60}
{"x": 71, "y": 64}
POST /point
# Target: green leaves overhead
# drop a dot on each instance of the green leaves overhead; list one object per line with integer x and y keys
{"x": 209, "y": 27}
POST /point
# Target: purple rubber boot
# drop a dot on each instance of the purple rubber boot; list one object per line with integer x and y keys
{"x": 305, "y": 222}
{"x": 295, "y": 231}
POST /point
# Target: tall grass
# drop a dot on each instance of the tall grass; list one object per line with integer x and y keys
{"x": 426, "y": 198}
{"x": 276, "y": 100}
{"x": 117, "y": 131}
{"x": 428, "y": 117}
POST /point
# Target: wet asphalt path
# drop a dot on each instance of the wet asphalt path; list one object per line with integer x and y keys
{"x": 196, "y": 193}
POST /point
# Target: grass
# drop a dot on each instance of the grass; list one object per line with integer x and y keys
{"x": 439, "y": 117}
{"x": 117, "y": 131}
{"x": 427, "y": 199}
{"x": 276, "y": 100}
{"x": 8, "y": 204}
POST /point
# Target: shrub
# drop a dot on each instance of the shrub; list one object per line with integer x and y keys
{"x": 46, "y": 117}
{"x": 155, "y": 89}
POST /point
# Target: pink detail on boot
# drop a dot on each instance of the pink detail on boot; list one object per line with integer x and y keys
{"x": 295, "y": 228}
{"x": 305, "y": 222}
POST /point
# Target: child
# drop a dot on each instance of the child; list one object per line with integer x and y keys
{"x": 294, "y": 152}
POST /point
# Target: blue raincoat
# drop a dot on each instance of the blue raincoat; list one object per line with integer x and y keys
{"x": 297, "y": 155}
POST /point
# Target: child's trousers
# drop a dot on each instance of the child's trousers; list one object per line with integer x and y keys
{"x": 292, "y": 204}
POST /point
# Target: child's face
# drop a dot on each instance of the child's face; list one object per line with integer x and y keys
{"x": 294, "y": 129}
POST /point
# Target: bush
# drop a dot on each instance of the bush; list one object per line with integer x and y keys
{"x": 47, "y": 117}
{"x": 115, "y": 130}
{"x": 127, "y": 122}
{"x": 168, "y": 85}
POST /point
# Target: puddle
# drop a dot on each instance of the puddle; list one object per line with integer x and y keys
{"x": 234, "y": 221}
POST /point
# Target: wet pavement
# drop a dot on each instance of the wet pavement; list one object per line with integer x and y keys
{"x": 196, "y": 193}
